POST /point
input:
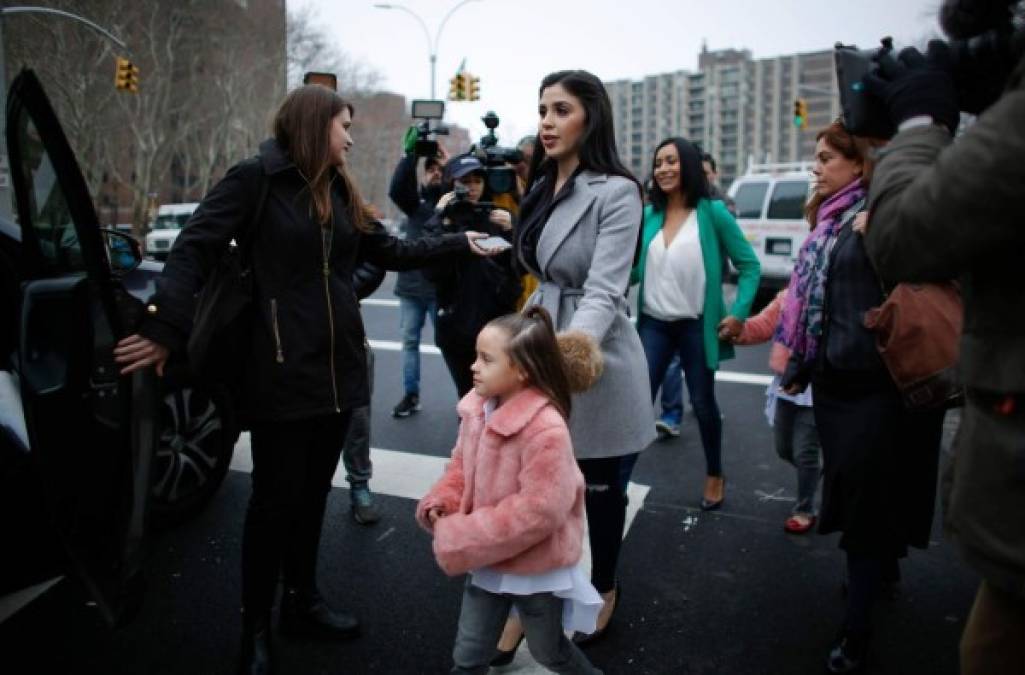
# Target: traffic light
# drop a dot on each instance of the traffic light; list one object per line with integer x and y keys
{"x": 800, "y": 113}
{"x": 126, "y": 75}
{"x": 473, "y": 88}
{"x": 457, "y": 88}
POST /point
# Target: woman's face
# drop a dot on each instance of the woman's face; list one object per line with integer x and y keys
{"x": 667, "y": 169}
{"x": 474, "y": 183}
{"x": 833, "y": 171}
{"x": 340, "y": 140}
{"x": 562, "y": 121}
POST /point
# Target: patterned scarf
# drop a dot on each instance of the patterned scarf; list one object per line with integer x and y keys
{"x": 800, "y": 325}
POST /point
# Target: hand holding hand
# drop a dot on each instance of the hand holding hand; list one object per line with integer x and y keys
{"x": 730, "y": 328}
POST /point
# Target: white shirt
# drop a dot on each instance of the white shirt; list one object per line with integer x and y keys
{"x": 674, "y": 277}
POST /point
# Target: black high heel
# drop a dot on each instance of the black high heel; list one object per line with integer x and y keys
{"x": 708, "y": 505}
{"x": 583, "y": 639}
{"x": 849, "y": 653}
{"x": 504, "y": 658}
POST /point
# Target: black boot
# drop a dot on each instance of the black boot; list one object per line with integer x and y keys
{"x": 255, "y": 656}
{"x": 307, "y": 615}
{"x": 849, "y": 653}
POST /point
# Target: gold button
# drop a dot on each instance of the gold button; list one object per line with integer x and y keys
{"x": 152, "y": 309}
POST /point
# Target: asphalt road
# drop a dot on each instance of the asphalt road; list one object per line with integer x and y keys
{"x": 727, "y": 592}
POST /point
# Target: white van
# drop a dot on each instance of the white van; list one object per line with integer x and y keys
{"x": 171, "y": 218}
{"x": 770, "y": 201}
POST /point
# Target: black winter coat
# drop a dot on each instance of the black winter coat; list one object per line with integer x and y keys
{"x": 472, "y": 292}
{"x": 418, "y": 206}
{"x": 307, "y": 356}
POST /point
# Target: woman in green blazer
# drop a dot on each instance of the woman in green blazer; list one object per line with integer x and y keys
{"x": 685, "y": 242}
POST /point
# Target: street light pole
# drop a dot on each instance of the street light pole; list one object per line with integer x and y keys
{"x": 432, "y": 44}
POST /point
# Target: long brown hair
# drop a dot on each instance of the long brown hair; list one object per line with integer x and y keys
{"x": 854, "y": 148}
{"x": 302, "y": 128}
{"x": 533, "y": 347}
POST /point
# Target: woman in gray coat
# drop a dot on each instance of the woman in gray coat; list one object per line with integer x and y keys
{"x": 578, "y": 232}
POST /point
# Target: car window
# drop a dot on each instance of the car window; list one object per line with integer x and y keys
{"x": 749, "y": 199}
{"x": 788, "y": 199}
{"x": 166, "y": 222}
{"x": 53, "y": 226}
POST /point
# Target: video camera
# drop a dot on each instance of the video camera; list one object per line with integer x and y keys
{"x": 501, "y": 178}
{"x": 427, "y": 111}
{"x": 463, "y": 214}
{"x": 979, "y": 66}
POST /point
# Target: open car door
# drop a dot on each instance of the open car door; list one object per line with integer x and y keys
{"x": 91, "y": 432}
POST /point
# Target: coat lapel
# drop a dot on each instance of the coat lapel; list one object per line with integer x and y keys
{"x": 565, "y": 218}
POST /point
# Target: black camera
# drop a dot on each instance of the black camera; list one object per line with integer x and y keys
{"x": 427, "y": 111}
{"x": 979, "y": 67}
{"x": 461, "y": 214}
{"x": 501, "y": 178}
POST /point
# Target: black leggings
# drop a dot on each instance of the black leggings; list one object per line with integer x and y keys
{"x": 605, "y": 501}
{"x": 293, "y": 463}
{"x": 865, "y": 576}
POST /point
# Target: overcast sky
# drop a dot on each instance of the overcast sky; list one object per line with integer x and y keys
{"x": 512, "y": 44}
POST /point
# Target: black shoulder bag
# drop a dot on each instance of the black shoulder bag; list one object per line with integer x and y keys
{"x": 219, "y": 342}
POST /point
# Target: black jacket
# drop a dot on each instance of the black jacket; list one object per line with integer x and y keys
{"x": 471, "y": 292}
{"x": 307, "y": 356}
{"x": 418, "y": 206}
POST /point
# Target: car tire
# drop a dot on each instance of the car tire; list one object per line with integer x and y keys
{"x": 197, "y": 439}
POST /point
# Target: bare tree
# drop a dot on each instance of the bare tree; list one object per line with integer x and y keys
{"x": 310, "y": 48}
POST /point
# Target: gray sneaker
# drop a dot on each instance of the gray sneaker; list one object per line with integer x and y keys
{"x": 363, "y": 510}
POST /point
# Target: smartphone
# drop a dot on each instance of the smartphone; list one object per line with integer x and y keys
{"x": 493, "y": 244}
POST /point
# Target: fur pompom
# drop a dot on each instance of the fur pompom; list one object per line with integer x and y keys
{"x": 583, "y": 359}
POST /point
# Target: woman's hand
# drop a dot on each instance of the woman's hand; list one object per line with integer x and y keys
{"x": 445, "y": 199}
{"x": 502, "y": 218}
{"x": 136, "y": 352}
{"x": 861, "y": 223}
{"x": 730, "y": 328}
{"x": 472, "y": 237}
{"x": 793, "y": 389}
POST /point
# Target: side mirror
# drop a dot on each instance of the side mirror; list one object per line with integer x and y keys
{"x": 124, "y": 253}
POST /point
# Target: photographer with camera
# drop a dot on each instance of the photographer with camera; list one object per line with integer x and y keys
{"x": 470, "y": 294}
{"x": 416, "y": 294}
{"x": 939, "y": 211}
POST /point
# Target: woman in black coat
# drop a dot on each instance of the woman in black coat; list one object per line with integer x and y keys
{"x": 880, "y": 459}
{"x": 306, "y": 368}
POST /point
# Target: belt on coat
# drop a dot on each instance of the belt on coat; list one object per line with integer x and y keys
{"x": 551, "y": 295}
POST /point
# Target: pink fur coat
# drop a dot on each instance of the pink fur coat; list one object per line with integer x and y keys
{"x": 512, "y": 496}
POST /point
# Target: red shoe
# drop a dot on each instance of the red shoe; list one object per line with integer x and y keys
{"x": 795, "y": 526}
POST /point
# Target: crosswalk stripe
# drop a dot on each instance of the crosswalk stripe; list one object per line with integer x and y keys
{"x": 721, "y": 375}
{"x": 379, "y": 302}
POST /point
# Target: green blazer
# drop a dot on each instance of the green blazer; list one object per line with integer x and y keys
{"x": 720, "y": 236}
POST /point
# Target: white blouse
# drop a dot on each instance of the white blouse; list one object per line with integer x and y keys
{"x": 674, "y": 277}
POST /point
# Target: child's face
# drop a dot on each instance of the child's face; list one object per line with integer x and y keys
{"x": 494, "y": 373}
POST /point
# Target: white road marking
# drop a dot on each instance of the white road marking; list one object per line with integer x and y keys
{"x": 721, "y": 376}
{"x": 379, "y": 302}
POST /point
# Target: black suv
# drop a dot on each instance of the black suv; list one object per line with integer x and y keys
{"x": 88, "y": 459}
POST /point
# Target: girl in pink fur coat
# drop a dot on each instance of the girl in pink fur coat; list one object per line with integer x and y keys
{"x": 509, "y": 509}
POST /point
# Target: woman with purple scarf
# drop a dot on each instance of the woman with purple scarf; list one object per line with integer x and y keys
{"x": 879, "y": 459}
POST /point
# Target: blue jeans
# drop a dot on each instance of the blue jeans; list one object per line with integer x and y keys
{"x": 413, "y": 315}
{"x": 672, "y": 392}
{"x": 685, "y": 338}
{"x": 483, "y": 617}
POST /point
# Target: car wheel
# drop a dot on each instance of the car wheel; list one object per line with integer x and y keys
{"x": 197, "y": 438}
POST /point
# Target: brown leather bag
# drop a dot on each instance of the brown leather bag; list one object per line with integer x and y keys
{"x": 918, "y": 334}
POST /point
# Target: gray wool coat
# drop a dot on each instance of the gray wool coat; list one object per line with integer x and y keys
{"x": 585, "y": 253}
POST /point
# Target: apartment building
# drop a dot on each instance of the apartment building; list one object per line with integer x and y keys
{"x": 736, "y": 107}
